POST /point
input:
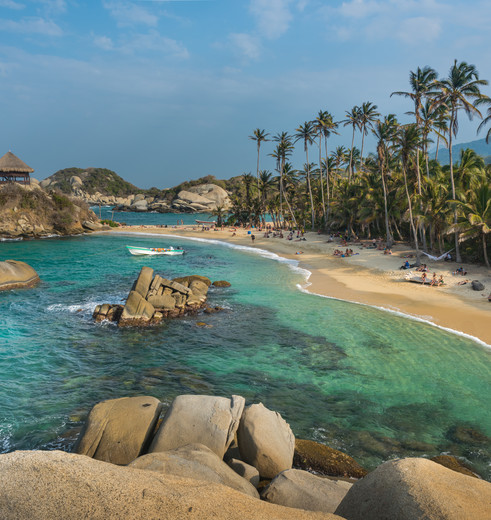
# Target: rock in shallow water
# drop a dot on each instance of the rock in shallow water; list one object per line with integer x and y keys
{"x": 17, "y": 275}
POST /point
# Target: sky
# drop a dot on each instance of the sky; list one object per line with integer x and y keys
{"x": 167, "y": 91}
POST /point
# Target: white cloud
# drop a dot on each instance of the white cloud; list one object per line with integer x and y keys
{"x": 273, "y": 17}
{"x": 360, "y": 8}
{"x": 154, "y": 42}
{"x": 247, "y": 45}
{"x": 31, "y": 26}
{"x": 10, "y": 4}
{"x": 127, "y": 14}
{"x": 53, "y": 6}
{"x": 419, "y": 30}
{"x": 104, "y": 43}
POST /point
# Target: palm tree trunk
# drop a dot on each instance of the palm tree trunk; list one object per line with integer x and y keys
{"x": 257, "y": 169}
{"x": 310, "y": 187}
{"x": 413, "y": 227}
{"x": 456, "y": 233}
{"x": 362, "y": 143}
{"x": 322, "y": 180}
{"x": 484, "y": 248}
{"x": 387, "y": 230}
{"x": 327, "y": 182}
{"x": 351, "y": 156}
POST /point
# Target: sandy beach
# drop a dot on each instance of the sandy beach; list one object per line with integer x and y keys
{"x": 371, "y": 277}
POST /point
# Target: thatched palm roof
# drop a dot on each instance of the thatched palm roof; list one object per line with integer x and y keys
{"x": 10, "y": 163}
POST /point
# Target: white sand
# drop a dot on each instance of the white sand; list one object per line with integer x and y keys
{"x": 372, "y": 278}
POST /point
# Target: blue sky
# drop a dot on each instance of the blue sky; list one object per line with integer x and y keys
{"x": 166, "y": 91}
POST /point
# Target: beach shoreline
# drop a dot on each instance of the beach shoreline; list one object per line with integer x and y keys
{"x": 368, "y": 277}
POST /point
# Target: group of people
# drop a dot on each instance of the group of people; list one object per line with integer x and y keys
{"x": 348, "y": 252}
{"x": 434, "y": 279}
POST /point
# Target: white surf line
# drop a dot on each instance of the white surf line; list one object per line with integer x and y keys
{"x": 293, "y": 264}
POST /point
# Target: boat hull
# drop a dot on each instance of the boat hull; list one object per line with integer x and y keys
{"x": 154, "y": 251}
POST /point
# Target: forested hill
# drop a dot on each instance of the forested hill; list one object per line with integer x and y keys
{"x": 479, "y": 146}
{"x": 93, "y": 180}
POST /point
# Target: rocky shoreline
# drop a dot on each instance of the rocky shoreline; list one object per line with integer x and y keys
{"x": 215, "y": 457}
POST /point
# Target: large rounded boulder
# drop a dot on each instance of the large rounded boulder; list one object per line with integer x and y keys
{"x": 202, "y": 419}
{"x": 265, "y": 440}
{"x": 17, "y": 275}
{"x": 302, "y": 490}
{"x": 195, "y": 461}
{"x": 118, "y": 430}
{"x": 414, "y": 488}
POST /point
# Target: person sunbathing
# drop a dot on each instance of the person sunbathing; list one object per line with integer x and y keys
{"x": 434, "y": 281}
{"x": 440, "y": 280}
{"x": 461, "y": 271}
{"x": 424, "y": 276}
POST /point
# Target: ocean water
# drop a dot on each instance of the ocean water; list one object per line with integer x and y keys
{"x": 370, "y": 383}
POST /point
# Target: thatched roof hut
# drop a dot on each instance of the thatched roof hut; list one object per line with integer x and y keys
{"x": 12, "y": 169}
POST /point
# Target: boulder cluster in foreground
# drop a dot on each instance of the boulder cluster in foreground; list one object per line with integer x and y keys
{"x": 153, "y": 298}
{"x": 213, "y": 457}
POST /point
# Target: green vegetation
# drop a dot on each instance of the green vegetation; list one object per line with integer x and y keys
{"x": 95, "y": 180}
{"x": 400, "y": 191}
{"x": 110, "y": 223}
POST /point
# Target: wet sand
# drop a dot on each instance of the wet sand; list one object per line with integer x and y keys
{"x": 370, "y": 277}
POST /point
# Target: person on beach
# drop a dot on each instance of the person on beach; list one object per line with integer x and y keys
{"x": 253, "y": 237}
{"x": 434, "y": 281}
{"x": 440, "y": 280}
{"x": 424, "y": 276}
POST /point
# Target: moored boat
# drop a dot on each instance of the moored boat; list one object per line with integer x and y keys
{"x": 153, "y": 251}
{"x": 206, "y": 222}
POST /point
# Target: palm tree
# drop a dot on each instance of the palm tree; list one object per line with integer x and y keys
{"x": 476, "y": 218}
{"x": 306, "y": 133}
{"x": 408, "y": 140}
{"x": 384, "y": 132}
{"x": 422, "y": 83}
{"x": 339, "y": 157}
{"x": 457, "y": 91}
{"x": 248, "y": 180}
{"x": 283, "y": 149}
{"x": 321, "y": 127}
{"x": 368, "y": 114}
{"x": 484, "y": 122}
{"x": 259, "y": 136}
{"x": 353, "y": 119}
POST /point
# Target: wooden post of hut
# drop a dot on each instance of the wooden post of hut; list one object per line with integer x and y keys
{"x": 12, "y": 169}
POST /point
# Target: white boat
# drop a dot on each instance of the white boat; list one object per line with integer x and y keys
{"x": 206, "y": 222}
{"x": 139, "y": 251}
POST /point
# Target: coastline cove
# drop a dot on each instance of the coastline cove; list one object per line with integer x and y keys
{"x": 371, "y": 383}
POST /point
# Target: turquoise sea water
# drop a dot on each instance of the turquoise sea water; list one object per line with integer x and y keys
{"x": 361, "y": 380}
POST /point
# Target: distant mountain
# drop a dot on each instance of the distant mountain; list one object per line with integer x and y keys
{"x": 479, "y": 146}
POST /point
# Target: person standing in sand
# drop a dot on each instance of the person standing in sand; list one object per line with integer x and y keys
{"x": 253, "y": 237}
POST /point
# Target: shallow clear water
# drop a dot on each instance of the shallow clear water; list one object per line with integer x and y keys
{"x": 362, "y": 380}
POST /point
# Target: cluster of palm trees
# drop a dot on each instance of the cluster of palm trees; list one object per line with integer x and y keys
{"x": 399, "y": 191}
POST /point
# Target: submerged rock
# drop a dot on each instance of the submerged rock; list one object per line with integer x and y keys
{"x": 313, "y": 456}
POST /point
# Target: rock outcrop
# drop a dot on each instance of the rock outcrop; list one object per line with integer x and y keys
{"x": 118, "y": 430}
{"x": 302, "y": 490}
{"x": 17, "y": 275}
{"x": 154, "y": 298}
{"x": 202, "y": 419}
{"x": 412, "y": 489}
{"x": 265, "y": 440}
{"x": 62, "y": 486}
{"x": 28, "y": 211}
